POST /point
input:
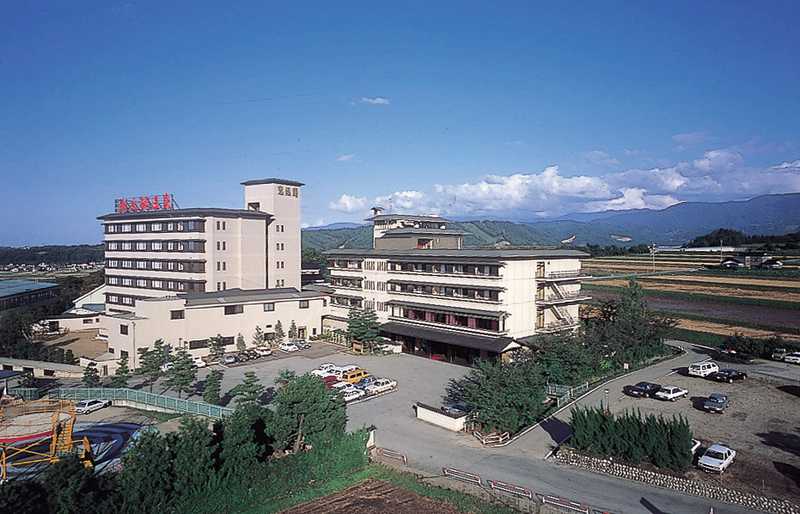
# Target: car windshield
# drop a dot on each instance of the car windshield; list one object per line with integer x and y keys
{"x": 716, "y": 399}
{"x": 715, "y": 455}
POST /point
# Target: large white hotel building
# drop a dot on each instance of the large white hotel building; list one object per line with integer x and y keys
{"x": 186, "y": 275}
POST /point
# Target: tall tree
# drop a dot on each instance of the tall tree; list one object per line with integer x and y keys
{"x": 122, "y": 374}
{"x": 249, "y": 390}
{"x": 91, "y": 377}
{"x": 370, "y": 328}
{"x": 306, "y": 411}
{"x": 241, "y": 345}
{"x": 292, "y": 331}
{"x": 182, "y": 373}
{"x": 213, "y": 387}
{"x": 259, "y": 339}
{"x": 194, "y": 458}
{"x": 354, "y": 326}
{"x": 150, "y": 364}
{"x": 279, "y": 333}
{"x": 216, "y": 347}
{"x": 69, "y": 357}
{"x": 147, "y": 474}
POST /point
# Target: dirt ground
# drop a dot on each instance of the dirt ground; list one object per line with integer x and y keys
{"x": 762, "y": 424}
{"x": 748, "y": 281}
{"x": 374, "y": 496}
{"x": 709, "y": 289}
{"x": 726, "y": 329}
{"x": 83, "y": 343}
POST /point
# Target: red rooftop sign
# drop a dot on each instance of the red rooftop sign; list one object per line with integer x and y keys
{"x": 144, "y": 203}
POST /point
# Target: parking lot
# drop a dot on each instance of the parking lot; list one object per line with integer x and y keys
{"x": 762, "y": 423}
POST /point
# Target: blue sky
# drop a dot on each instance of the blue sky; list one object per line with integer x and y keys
{"x": 517, "y": 110}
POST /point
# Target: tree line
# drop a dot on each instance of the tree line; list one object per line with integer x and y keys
{"x": 257, "y": 455}
{"x": 665, "y": 443}
{"x": 730, "y": 237}
{"x": 509, "y": 396}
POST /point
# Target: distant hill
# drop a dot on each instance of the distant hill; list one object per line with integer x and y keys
{"x": 57, "y": 254}
{"x": 766, "y": 215}
{"x": 334, "y": 226}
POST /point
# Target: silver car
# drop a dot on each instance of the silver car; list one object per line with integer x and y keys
{"x": 87, "y": 406}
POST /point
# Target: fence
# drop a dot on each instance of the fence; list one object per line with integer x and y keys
{"x": 492, "y": 439}
{"x": 565, "y": 394}
{"x": 143, "y": 398}
{"x": 26, "y": 393}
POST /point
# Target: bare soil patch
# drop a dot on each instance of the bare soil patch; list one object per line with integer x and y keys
{"x": 727, "y": 329}
{"x": 374, "y": 496}
{"x": 748, "y": 281}
{"x": 83, "y": 343}
{"x": 709, "y": 290}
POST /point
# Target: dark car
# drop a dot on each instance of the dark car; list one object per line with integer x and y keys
{"x": 642, "y": 389}
{"x": 728, "y": 375}
{"x": 716, "y": 402}
{"x": 243, "y": 356}
{"x": 364, "y": 382}
{"x": 455, "y": 409}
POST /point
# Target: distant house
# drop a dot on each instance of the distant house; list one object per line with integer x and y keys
{"x": 731, "y": 263}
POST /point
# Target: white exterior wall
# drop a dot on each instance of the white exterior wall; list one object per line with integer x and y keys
{"x": 284, "y": 229}
{"x": 201, "y": 322}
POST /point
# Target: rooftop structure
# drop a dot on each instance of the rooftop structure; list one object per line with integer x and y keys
{"x": 16, "y": 293}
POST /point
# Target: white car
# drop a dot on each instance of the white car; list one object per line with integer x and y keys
{"x": 352, "y": 394}
{"x": 716, "y": 458}
{"x": 671, "y": 393}
{"x": 381, "y": 386}
{"x": 322, "y": 374}
{"x": 326, "y": 366}
{"x": 263, "y": 352}
{"x": 341, "y": 386}
{"x": 793, "y": 358}
{"x": 288, "y": 347}
{"x": 703, "y": 369}
{"x": 87, "y": 406}
{"x": 340, "y": 370}
{"x": 199, "y": 362}
{"x": 166, "y": 367}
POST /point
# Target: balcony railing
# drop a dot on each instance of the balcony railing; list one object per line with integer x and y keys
{"x": 568, "y": 298}
{"x": 562, "y": 275}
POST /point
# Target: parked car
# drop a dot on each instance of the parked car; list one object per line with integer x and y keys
{"x": 354, "y": 375}
{"x": 229, "y": 359}
{"x": 779, "y": 354}
{"x": 716, "y": 458}
{"x": 330, "y": 381}
{"x": 340, "y": 370}
{"x": 365, "y": 382}
{"x": 793, "y": 358}
{"x": 166, "y": 367}
{"x": 322, "y": 374}
{"x": 263, "y": 351}
{"x": 326, "y": 367}
{"x": 728, "y": 375}
{"x": 353, "y": 394}
{"x": 288, "y": 347}
{"x": 339, "y": 386}
{"x": 87, "y": 406}
{"x": 716, "y": 402}
{"x": 381, "y": 385}
{"x": 703, "y": 369}
{"x": 243, "y": 356}
{"x": 455, "y": 409}
{"x": 301, "y": 343}
{"x": 642, "y": 389}
{"x": 671, "y": 393}
{"x": 199, "y": 362}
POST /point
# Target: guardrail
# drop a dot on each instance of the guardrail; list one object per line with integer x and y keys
{"x": 142, "y": 398}
{"x": 392, "y": 454}
{"x": 462, "y": 476}
{"x": 514, "y": 490}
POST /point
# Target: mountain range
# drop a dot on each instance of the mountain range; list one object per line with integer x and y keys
{"x": 675, "y": 225}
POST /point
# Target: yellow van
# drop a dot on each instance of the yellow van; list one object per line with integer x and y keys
{"x": 354, "y": 375}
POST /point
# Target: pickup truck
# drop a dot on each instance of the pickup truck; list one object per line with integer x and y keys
{"x": 716, "y": 402}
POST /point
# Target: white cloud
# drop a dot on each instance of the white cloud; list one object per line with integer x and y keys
{"x": 347, "y": 203}
{"x": 688, "y": 139}
{"x": 719, "y": 161}
{"x": 600, "y": 157}
{"x": 407, "y": 201}
{"x": 658, "y": 179}
{"x": 345, "y": 157}
{"x": 787, "y": 166}
{"x": 633, "y": 198}
{"x": 375, "y": 100}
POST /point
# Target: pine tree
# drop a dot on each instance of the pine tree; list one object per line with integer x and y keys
{"x": 249, "y": 391}
{"x": 150, "y": 365}
{"x": 123, "y": 373}
{"x": 279, "y": 333}
{"x": 370, "y": 328}
{"x": 354, "y": 325}
{"x": 213, "y": 387}
{"x": 259, "y": 339}
{"x": 182, "y": 373}
{"x": 292, "y": 331}
{"x": 91, "y": 377}
{"x": 241, "y": 345}
{"x": 69, "y": 357}
{"x": 216, "y": 348}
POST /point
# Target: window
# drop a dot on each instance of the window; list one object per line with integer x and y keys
{"x": 304, "y": 304}
{"x": 157, "y": 264}
{"x": 233, "y": 309}
{"x": 224, "y": 285}
{"x": 218, "y": 225}
{"x": 141, "y": 245}
{"x": 218, "y": 245}
{"x": 126, "y": 227}
{"x": 223, "y": 226}
{"x": 223, "y": 245}
{"x": 88, "y": 321}
{"x": 141, "y": 264}
{"x": 219, "y": 266}
{"x": 157, "y": 284}
{"x": 269, "y": 307}
{"x": 155, "y": 227}
{"x": 157, "y": 245}
{"x": 141, "y": 227}
{"x": 176, "y": 314}
{"x": 123, "y": 329}
{"x": 198, "y": 343}
{"x": 294, "y": 192}
{"x": 219, "y": 286}
{"x": 224, "y": 266}
{"x": 123, "y": 354}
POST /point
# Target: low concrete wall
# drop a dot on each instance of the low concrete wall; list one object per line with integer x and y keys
{"x": 440, "y": 419}
{"x": 142, "y": 406}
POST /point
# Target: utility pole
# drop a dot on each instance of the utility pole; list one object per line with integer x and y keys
{"x": 652, "y": 249}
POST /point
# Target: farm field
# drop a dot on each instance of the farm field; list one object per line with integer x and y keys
{"x": 727, "y": 329}
{"x": 734, "y": 314}
{"x": 737, "y": 281}
{"x": 707, "y": 288}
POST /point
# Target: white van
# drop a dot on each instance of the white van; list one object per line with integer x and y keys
{"x": 703, "y": 369}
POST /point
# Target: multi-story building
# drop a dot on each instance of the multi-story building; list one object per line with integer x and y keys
{"x": 150, "y": 254}
{"x": 185, "y": 275}
{"x": 445, "y": 301}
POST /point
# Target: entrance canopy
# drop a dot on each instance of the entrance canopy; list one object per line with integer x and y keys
{"x": 450, "y": 337}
